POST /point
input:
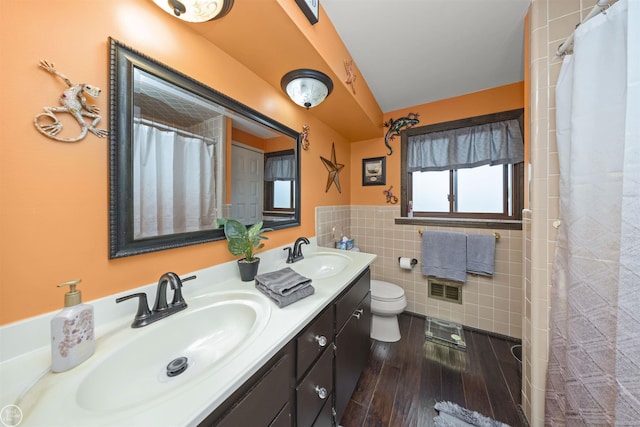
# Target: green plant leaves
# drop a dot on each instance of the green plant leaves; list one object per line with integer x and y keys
{"x": 242, "y": 241}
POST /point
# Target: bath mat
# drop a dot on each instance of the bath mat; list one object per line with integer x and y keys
{"x": 452, "y": 415}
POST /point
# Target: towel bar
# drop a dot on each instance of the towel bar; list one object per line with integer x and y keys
{"x": 495, "y": 233}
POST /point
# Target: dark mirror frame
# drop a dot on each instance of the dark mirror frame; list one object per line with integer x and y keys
{"x": 123, "y": 60}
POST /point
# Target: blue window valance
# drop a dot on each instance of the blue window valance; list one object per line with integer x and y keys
{"x": 496, "y": 143}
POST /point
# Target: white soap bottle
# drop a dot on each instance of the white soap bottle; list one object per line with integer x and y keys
{"x": 72, "y": 331}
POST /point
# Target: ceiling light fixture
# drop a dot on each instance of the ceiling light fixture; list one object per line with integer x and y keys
{"x": 196, "y": 10}
{"x": 306, "y": 87}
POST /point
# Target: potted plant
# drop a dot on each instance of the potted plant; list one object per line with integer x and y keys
{"x": 247, "y": 242}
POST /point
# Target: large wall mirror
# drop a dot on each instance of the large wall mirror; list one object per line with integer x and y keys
{"x": 183, "y": 155}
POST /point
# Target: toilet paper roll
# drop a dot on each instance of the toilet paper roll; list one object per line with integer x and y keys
{"x": 405, "y": 263}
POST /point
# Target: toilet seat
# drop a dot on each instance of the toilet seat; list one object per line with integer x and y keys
{"x": 386, "y": 292}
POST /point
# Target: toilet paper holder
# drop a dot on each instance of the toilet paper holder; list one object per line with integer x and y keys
{"x": 413, "y": 261}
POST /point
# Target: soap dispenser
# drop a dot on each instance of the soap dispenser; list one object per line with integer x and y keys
{"x": 72, "y": 335}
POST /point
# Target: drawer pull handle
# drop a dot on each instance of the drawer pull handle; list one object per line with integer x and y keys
{"x": 322, "y": 392}
{"x": 321, "y": 340}
{"x": 357, "y": 313}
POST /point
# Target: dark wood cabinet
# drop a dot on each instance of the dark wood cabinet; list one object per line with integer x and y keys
{"x": 309, "y": 382}
{"x": 315, "y": 390}
{"x": 314, "y": 351}
{"x": 266, "y": 399}
{"x": 352, "y": 341}
{"x": 314, "y": 340}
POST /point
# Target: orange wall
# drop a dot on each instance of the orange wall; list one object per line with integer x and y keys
{"x": 54, "y": 195}
{"x": 248, "y": 139}
{"x": 503, "y": 98}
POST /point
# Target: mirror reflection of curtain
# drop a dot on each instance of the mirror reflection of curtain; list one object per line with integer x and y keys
{"x": 174, "y": 179}
{"x": 280, "y": 168}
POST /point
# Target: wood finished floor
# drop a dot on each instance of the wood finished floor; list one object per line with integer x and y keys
{"x": 404, "y": 380}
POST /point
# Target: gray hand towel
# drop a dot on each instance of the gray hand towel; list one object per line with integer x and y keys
{"x": 282, "y": 282}
{"x": 444, "y": 255}
{"x": 481, "y": 251}
{"x": 284, "y": 300}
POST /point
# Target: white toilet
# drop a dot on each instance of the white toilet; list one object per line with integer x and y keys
{"x": 387, "y": 301}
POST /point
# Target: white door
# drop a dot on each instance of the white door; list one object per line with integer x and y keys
{"x": 247, "y": 174}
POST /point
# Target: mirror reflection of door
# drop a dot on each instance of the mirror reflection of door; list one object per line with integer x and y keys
{"x": 246, "y": 183}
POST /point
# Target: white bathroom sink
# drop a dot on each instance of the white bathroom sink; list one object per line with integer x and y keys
{"x": 321, "y": 265}
{"x": 213, "y": 329}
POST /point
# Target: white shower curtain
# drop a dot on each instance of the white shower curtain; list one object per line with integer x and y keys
{"x": 174, "y": 183}
{"x": 593, "y": 375}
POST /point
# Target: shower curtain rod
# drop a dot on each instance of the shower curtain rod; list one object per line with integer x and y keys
{"x": 568, "y": 43}
{"x": 207, "y": 140}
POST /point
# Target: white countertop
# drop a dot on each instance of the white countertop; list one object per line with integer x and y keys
{"x": 48, "y": 399}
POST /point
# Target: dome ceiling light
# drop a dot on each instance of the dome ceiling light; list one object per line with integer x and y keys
{"x": 306, "y": 87}
{"x": 196, "y": 10}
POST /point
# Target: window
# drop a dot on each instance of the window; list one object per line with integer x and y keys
{"x": 282, "y": 194}
{"x": 470, "y": 168}
{"x": 279, "y": 182}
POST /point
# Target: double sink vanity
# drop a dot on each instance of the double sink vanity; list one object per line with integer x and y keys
{"x": 231, "y": 358}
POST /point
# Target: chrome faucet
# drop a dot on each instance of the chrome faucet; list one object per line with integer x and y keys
{"x": 161, "y": 309}
{"x": 295, "y": 254}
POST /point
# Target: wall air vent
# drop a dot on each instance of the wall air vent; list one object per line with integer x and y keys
{"x": 445, "y": 291}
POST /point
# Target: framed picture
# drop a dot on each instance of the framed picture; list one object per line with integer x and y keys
{"x": 373, "y": 171}
{"x": 310, "y": 9}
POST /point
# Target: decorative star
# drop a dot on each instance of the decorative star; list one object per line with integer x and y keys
{"x": 334, "y": 169}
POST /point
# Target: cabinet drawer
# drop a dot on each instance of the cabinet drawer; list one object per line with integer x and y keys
{"x": 314, "y": 390}
{"x": 325, "y": 418}
{"x": 265, "y": 400}
{"x": 348, "y": 302}
{"x": 284, "y": 417}
{"x": 313, "y": 340}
